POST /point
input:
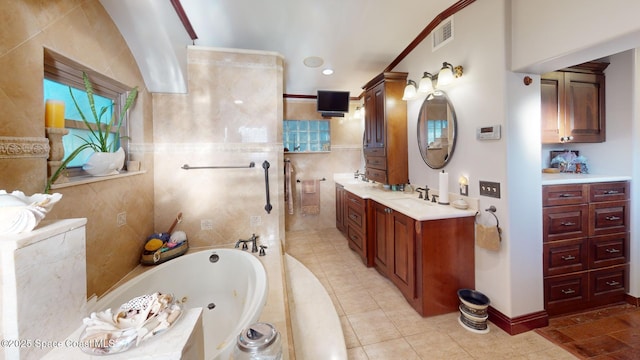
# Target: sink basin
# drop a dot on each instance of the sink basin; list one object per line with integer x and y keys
{"x": 413, "y": 203}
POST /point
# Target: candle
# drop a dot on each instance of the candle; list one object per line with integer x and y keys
{"x": 54, "y": 113}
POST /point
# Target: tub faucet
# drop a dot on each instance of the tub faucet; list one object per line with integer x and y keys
{"x": 252, "y": 240}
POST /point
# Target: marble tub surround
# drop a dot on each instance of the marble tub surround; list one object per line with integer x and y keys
{"x": 43, "y": 285}
{"x": 316, "y": 328}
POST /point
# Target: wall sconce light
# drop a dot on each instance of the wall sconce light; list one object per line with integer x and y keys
{"x": 358, "y": 113}
{"x": 448, "y": 73}
{"x": 464, "y": 185}
{"x": 409, "y": 90}
{"x": 426, "y": 83}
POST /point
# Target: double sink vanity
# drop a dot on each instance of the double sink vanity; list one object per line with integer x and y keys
{"x": 426, "y": 249}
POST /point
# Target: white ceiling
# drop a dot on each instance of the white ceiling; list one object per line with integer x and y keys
{"x": 358, "y": 39}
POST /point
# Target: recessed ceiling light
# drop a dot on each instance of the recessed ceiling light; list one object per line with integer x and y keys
{"x": 327, "y": 71}
{"x": 313, "y": 61}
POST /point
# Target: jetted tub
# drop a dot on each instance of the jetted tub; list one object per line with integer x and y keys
{"x": 229, "y": 285}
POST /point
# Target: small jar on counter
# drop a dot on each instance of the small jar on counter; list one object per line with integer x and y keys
{"x": 259, "y": 341}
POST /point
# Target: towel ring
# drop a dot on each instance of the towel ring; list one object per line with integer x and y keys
{"x": 492, "y": 210}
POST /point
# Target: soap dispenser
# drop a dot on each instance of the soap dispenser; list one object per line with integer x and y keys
{"x": 408, "y": 188}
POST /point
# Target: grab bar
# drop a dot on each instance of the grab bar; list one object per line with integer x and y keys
{"x": 187, "y": 167}
{"x": 265, "y": 166}
{"x": 323, "y": 179}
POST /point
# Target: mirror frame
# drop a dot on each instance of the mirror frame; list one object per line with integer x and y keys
{"x": 451, "y": 122}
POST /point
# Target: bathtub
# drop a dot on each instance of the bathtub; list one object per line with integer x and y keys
{"x": 230, "y": 286}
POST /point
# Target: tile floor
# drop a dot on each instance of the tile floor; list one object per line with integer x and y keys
{"x": 610, "y": 333}
{"x": 379, "y": 324}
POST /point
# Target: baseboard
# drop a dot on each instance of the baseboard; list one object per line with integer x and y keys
{"x": 632, "y": 300}
{"x": 518, "y": 324}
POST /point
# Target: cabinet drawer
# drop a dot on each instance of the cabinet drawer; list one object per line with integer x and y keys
{"x": 608, "y": 282}
{"x": 356, "y": 239}
{"x": 374, "y": 151}
{"x": 356, "y": 218}
{"x": 377, "y": 162}
{"x": 376, "y": 175}
{"x": 611, "y": 191}
{"x": 566, "y": 291}
{"x": 553, "y": 195}
{"x": 608, "y": 250}
{"x": 565, "y": 222}
{"x": 562, "y": 257}
{"x": 355, "y": 201}
{"x": 609, "y": 217}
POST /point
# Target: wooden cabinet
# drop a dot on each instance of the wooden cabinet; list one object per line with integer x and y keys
{"x": 356, "y": 220}
{"x": 341, "y": 219}
{"x": 428, "y": 261}
{"x": 573, "y": 104}
{"x": 586, "y": 245}
{"x": 394, "y": 247}
{"x": 385, "y": 135}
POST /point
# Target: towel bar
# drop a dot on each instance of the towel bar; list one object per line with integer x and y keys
{"x": 323, "y": 179}
{"x": 187, "y": 167}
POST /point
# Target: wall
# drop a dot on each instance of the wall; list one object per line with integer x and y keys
{"x": 345, "y": 157}
{"x": 71, "y": 28}
{"x": 488, "y": 93}
{"x": 231, "y": 116}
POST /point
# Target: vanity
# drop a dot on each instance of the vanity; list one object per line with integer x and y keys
{"x": 424, "y": 248}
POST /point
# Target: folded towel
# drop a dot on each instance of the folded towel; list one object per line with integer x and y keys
{"x": 488, "y": 237}
{"x": 310, "y": 197}
{"x": 288, "y": 194}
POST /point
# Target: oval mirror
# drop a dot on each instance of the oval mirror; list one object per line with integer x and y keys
{"x": 436, "y": 130}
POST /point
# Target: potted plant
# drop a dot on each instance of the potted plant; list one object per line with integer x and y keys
{"x": 98, "y": 139}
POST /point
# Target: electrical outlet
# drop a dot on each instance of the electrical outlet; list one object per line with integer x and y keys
{"x": 255, "y": 220}
{"x": 488, "y": 188}
{"x": 206, "y": 224}
{"x": 121, "y": 219}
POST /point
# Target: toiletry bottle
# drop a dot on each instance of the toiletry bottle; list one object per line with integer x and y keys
{"x": 408, "y": 188}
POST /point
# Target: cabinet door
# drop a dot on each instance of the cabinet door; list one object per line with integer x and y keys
{"x": 402, "y": 240}
{"x": 340, "y": 209}
{"x": 552, "y": 101}
{"x": 382, "y": 253}
{"x": 585, "y": 107}
{"x": 369, "y": 119}
{"x": 379, "y": 115}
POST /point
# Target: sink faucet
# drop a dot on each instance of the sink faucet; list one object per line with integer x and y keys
{"x": 426, "y": 192}
{"x": 252, "y": 240}
{"x": 356, "y": 174}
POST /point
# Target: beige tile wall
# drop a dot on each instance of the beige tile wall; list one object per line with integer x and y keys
{"x": 231, "y": 116}
{"x": 345, "y": 157}
{"x": 80, "y": 30}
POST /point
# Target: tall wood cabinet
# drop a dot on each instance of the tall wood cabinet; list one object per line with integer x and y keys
{"x": 573, "y": 104}
{"x": 385, "y": 136}
{"x": 586, "y": 245}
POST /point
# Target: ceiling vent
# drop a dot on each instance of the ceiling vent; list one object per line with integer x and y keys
{"x": 443, "y": 34}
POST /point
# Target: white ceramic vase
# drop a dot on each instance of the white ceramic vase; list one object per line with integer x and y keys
{"x": 103, "y": 164}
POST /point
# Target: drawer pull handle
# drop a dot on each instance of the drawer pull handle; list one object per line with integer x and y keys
{"x": 568, "y": 257}
{"x": 568, "y": 291}
{"x": 613, "y": 218}
{"x": 612, "y": 283}
{"x": 566, "y": 195}
{"x": 570, "y": 223}
{"x": 612, "y": 251}
{"x": 611, "y": 192}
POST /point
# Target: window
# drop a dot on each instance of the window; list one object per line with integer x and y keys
{"x": 61, "y": 73}
{"x": 306, "y": 135}
{"x": 434, "y": 133}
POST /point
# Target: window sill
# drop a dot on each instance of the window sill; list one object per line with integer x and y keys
{"x": 87, "y": 179}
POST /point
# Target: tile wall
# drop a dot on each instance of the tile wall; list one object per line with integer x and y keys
{"x": 82, "y": 31}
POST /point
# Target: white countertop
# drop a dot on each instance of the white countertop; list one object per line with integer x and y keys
{"x": 570, "y": 178}
{"x": 408, "y": 204}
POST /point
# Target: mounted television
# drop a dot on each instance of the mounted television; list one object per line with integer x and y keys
{"x": 333, "y": 103}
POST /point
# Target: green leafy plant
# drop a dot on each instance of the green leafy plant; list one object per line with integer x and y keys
{"x": 99, "y": 130}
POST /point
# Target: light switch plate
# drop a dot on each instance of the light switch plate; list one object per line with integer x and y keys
{"x": 491, "y": 189}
